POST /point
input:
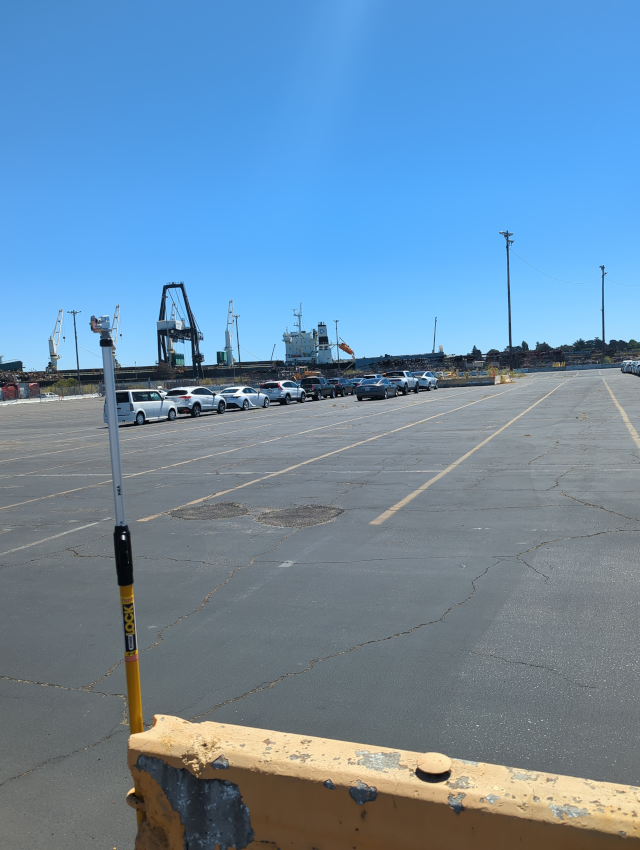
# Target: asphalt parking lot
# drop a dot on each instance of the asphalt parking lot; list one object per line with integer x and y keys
{"x": 454, "y": 571}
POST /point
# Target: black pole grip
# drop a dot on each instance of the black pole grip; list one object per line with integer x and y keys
{"x": 124, "y": 555}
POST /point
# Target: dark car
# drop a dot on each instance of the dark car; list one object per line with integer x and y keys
{"x": 376, "y": 388}
{"x": 317, "y": 388}
{"x": 343, "y": 386}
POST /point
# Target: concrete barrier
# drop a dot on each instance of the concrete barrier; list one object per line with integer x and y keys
{"x": 212, "y": 785}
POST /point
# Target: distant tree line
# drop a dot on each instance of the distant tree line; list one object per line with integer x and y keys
{"x": 579, "y": 345}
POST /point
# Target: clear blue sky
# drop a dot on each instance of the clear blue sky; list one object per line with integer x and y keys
{"x": 359, "y": 156}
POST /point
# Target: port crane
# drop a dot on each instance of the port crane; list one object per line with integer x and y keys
{"x": 54, "y": 342}
{"x": 171, "y": 329}
{"x": 228, "y": 335}
{"x": 115, "y": 327}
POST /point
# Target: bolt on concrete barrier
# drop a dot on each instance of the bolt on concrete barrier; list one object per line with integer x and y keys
{"x": 213, "y": 785}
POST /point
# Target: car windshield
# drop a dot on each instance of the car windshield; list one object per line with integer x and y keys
{"x": 182, "y": 391}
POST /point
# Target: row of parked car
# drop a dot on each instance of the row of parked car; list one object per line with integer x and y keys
{"x": 632, "y": 366}
{"x": 140, "y": 406}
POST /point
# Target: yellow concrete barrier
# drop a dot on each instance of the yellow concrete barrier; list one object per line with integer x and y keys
{"x": 211, "y": 785}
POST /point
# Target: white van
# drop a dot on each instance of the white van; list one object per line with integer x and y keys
{"x": 140, "y": 406}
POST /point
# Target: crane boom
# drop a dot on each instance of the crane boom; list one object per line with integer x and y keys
{"x": 54, "y": 342}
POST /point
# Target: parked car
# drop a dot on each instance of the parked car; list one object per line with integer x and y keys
{"x": 139, "y": 406}
{"x": 376, "y": 388}
{"x": 358, "y": 381}
{"x": 426, "y": 380}
{"x": 283, "y": 392}
{"x": 343, "y": 386}
{"x": 48, "y": 395}
{"x": 318, "y": 388}
{"x": 404, "y": 381}
{"x": 244, "y": 397}
{"x": 196, "y": 400}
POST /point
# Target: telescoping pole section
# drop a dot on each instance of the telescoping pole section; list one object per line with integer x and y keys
{"x": 121, "y": 535}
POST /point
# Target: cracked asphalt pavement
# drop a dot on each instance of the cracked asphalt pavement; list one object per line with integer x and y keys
{"x": 492, "y": 617}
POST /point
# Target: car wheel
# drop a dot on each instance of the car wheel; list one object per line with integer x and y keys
{"x": 171, "y": 415}
{"x": 140, "y": 418}
{"x": 435, "y": 386}
{"x": 358, "y": 398}
{"x": 318, "y": 396}
{"x": 405, "y": 389}
{"x": 386, "y": 393}
{"x": 195, "y": 410}
{"x": 333, "y": 393}
{"x": 416, "y": 389}
{"x": 303, "y": 398}
{"x": 287, "y": 399}
{"x": 266, "y": 402}
{"x": 428, "y": 387}
{"x": 245, "y": 404}
{"x": 221, "y": 407}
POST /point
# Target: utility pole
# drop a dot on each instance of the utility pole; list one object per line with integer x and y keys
{"x": 435, "y": 325}
{"x": 603, "y": 274}
{"x": 236, "y": 316}
{"x": 509, "y": 242}
{"x": 337, "y": 344}
{"x": 74, "y": 313}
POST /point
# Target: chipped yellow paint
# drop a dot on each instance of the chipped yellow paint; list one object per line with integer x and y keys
{"x": 303, "y": 793}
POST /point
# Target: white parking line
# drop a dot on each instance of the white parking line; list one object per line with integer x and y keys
{"x": 53, "y": 537}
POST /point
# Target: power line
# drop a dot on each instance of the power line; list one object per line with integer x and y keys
{"x": 572, "y": 282}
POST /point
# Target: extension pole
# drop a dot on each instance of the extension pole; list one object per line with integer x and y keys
{"x": 603, "y": 343}
{"x": 121, "y": 537}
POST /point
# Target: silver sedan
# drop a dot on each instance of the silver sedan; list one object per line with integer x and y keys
{"x": 244, "y": 397}
{"x": 426, "y": 380}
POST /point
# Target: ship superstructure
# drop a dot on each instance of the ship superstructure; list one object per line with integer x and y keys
{"x": 307, "y": 348}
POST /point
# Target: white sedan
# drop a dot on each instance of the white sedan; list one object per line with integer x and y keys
{"x": 244, "y": 397}
{"x": 426, "y": 380}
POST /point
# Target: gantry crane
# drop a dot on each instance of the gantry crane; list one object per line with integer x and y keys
{"x": 172, "y": 329}
{"x": 54, "y": 342}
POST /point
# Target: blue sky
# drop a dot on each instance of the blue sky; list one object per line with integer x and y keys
{"x": 359, "y": 156}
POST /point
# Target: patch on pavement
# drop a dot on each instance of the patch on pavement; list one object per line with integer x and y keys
{"x": 301, "y": 516}
{"x": 211, "y": 510}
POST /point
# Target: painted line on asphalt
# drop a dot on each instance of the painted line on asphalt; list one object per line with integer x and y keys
{"x": 403, "y": 502}
{"x": 634, "y": 434}
{"x": 317, "y": 458}
{"x": 53, "y": 537}
{"x": 213, "y": 454}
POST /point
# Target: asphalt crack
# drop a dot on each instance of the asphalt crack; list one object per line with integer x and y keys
{"x": 291, "y": 674}
{"x": 530, "y": 664}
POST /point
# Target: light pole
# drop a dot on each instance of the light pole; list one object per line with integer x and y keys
{"x": 74, "y": 313}
{"x": 603, "y": 274}
{"x": 435, "y": 325}
{"x": 236, "y": 316}
{"x": 509, "y": 242}
{"x": 337, "y": 344}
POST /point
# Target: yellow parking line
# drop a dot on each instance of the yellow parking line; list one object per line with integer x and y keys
{"x": 403, "y": 502}
{"x": 195, "y": 459}
{"x": 634, "y": 434}
{"x": 315, "y": 459}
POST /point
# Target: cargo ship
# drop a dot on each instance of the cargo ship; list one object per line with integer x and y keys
{"x": 307, "y": 348}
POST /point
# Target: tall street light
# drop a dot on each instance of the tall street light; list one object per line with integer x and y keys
{"x": 337, "y": 344}
{"x": 509, "y": 242}
{"x": 75, "y": 313}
